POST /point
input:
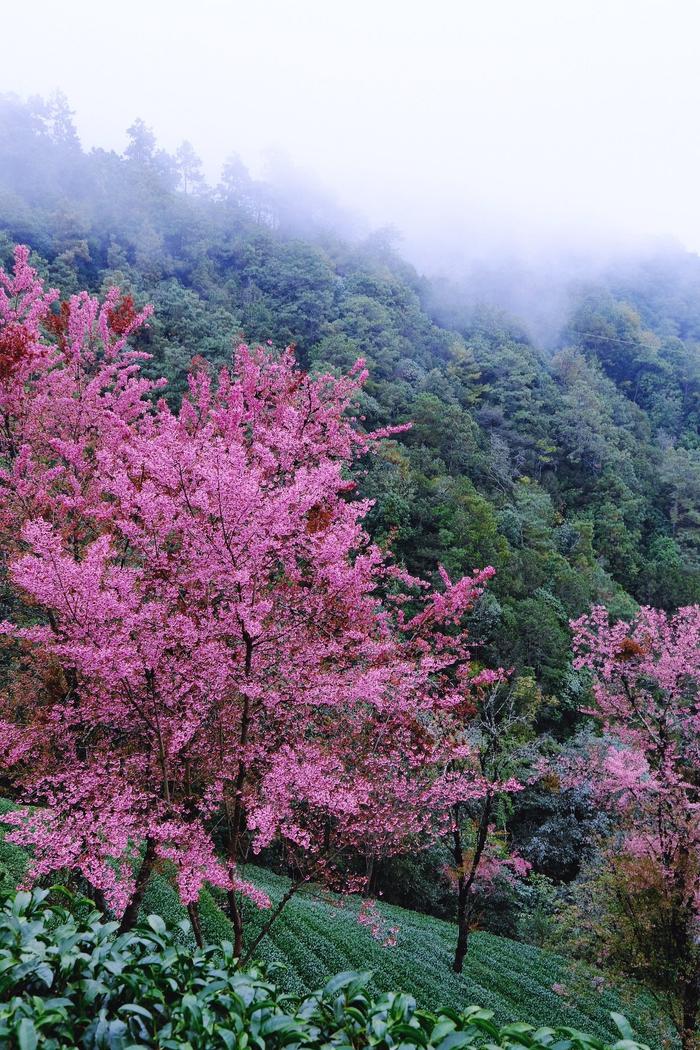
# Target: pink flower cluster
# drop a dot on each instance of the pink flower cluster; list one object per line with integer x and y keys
{"x": 646, "y": 683}
{"x": 209, "y": 654}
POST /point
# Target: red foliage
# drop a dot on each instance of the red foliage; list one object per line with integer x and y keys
{"x": 57, "y": 323}
{"x": 14, "y": 340}
{"x": 121, "y": 317}
{"x": 629, "y": 649}
{"x": 318, "y": 518}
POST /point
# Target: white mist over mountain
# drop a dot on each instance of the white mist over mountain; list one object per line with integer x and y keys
{"x": 478, "y": 129}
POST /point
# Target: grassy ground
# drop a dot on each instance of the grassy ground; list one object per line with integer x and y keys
{"x": 318, "y": 935}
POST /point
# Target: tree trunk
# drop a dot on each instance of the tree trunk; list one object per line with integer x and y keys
{"x": 462, "y": 927}
{"x": 99, "y": 898}
{"x": 275, "y": 915}
{"x": 131, "y": 913}
{"x": 234, "y": 914}
{"x": 690, "y": 1037}
{"x": 465, "y": 881}
{"x": 234, "y": 822}
{"x": 372, "y": 875}
{"x": 193, "y": 912}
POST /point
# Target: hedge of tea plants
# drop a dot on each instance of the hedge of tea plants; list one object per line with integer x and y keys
{"x": 68, "y": 979}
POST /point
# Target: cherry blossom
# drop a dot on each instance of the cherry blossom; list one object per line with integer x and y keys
{"x": 211, "y": 655}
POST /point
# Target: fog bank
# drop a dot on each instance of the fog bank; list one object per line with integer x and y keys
{"x": 479, "y": 130}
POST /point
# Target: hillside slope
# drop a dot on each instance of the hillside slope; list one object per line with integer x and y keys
{"x": 319, "y": 935}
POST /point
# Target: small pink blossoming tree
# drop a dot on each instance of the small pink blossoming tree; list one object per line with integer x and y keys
{"x": 646, "y": 685}
{"x": 211, "y": 656}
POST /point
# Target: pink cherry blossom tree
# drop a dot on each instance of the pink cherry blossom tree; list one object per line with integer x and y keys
{"x": 646, "y": 685}
{"x": 211, "y": 656}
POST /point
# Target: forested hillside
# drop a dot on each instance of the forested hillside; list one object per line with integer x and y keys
{"x": 575, "y": 471}
{"x": 571, "y": 465}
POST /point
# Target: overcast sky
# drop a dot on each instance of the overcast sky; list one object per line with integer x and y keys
{"x": 460, "y": 121}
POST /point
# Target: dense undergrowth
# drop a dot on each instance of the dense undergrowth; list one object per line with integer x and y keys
{"x": 318, "y": 935}
{"x": 68, "y": 982}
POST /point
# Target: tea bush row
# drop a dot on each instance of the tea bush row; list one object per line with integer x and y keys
{"x": 68, "y": 981}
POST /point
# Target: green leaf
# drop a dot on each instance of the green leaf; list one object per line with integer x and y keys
{"x": 454, "y": 1040}
{"x": 356, "y": 1015}
{"x": 45, "y": 974}
{"x": 342, "y": 980}
{"x": 21, "y": 902}
{"x": 134, "y": 1008}
{"x": 156, "y": 924}
{"x": 408, "y": 1033}
{"x": 280, "y": 1023}
{"x": 26, "y": 1035}
{"x": 361, "y": 981}
{"x": 622, "y": 1024}
{"x": 444, "y": 1026}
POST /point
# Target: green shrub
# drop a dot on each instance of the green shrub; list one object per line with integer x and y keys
{"x": 74, "y": 982}
{"x": 13, "y": 860}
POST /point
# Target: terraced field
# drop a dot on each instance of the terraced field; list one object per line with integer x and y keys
{"x": 317, "y": 936}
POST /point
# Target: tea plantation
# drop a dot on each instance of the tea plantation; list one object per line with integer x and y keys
{"x": 317, "y": 936}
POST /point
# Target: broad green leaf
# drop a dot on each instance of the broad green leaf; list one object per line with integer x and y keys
{"x": 623, "y": 1026}
{"x": 455, "y": 1040}
{"x": 26, "y": 1035}
{"x": 156, "y": 924}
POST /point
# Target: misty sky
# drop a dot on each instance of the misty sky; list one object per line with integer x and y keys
{"x": 462, "y": 122}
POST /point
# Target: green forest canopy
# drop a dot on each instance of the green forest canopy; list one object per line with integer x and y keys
{"x": 573, "y": 469}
